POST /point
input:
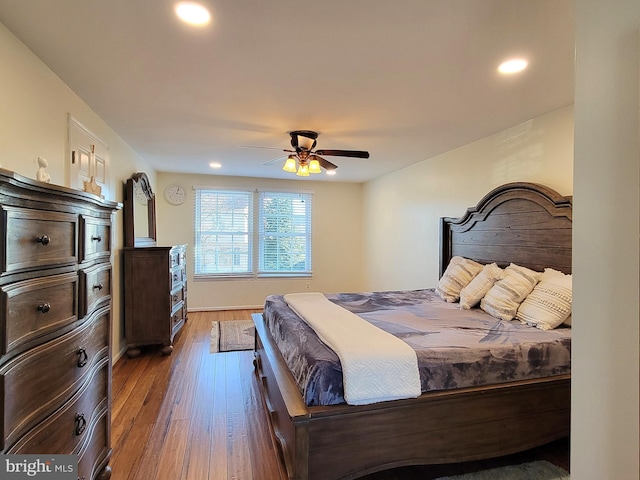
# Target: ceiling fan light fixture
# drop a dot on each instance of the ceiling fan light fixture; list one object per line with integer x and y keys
{"x": 303, "y": 160}
{"x": 303, "y": 171}
{"x": 314, "y": 166}
{"x": 290, "y": 165}
{"x": 305, "y": 142}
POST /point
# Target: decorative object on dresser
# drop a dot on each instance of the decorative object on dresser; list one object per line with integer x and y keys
{"x": 155, "y": 277}
{"x": 55, "y": 294}
{"x": 42, "y": 175}
{"x": 92, "y": 187}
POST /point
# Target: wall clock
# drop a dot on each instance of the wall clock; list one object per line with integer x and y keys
{"x": 175, "y": 194}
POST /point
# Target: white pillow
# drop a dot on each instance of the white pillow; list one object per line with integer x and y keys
{"x": 458, "y": 274}
{"x": 503, "y": 299}
{"x": 480, "y": 285}
{"x": 549, "y": 304}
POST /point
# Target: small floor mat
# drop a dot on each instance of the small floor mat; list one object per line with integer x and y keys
{"x": 232, "y": 335}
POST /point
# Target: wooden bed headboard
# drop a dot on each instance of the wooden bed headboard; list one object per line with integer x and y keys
{"x": 524, "y": 223}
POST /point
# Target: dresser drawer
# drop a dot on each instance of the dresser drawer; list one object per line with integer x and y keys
{"x": 95, "y": 239}
{"x": 66, "y": 430}
{"x": 176, "y": 257}
{"x": 177, "y": 319}
{"x": 94, "y": 455}
{"x": 40, "y": 380}
{"x": 176, "y": 297}
{"x": 34, "y": 308}
{"x": 177, "y": 276}
{"x": 95, "y": 287}
{"x": 38, "y": 239}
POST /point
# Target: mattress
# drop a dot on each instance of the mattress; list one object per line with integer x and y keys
{"x": 455, "y": 348}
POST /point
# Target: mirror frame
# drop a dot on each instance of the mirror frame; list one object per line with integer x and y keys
{"x": 131, "y": 239}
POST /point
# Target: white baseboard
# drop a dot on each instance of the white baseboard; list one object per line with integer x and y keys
{"x": 117, "y": 356}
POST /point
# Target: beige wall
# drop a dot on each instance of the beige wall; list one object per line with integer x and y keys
{"x": 606, "y": 313}
{"x": 403, "y": 209}
{"x": 337, "y": 239}
{"x": 33, "y": 122}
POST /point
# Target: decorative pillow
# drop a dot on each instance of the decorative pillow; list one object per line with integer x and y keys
{"x": 476, "y": 289}
{"x": 503, "y": 299}
{"x": 458, "y": 274}
{"x": 549, "y": 304}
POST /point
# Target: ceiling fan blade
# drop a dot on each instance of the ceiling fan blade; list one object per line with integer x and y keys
{"x": 326, "y": 164}
{"x": 344, "y": 153}
{"x": 280, "y": 158}
{"x": 268, "y": 148}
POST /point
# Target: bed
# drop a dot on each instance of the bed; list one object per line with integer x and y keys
{"x": 522, "y": 223}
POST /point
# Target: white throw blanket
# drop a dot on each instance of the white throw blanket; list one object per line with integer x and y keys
{"x": 376, "y": 366}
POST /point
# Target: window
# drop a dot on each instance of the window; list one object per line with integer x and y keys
{"x": 223, "y": 229}
{"x": 237, "y": 234}
{"x": 285, "y": 233}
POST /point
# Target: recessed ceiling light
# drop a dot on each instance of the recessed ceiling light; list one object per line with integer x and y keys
{"x": 215, "y": 165}
{"x": 514, "y": 65}
{"x": 331, "y": 172}
{"x": 193, "y": 13}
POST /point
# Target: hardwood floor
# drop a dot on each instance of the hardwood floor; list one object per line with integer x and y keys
{"x": 196, "y": 415}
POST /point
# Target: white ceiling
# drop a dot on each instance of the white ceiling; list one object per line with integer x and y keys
{"x": 405, "y": 80}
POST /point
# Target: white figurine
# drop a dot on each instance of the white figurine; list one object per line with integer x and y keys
{"x": 41, "y": 174}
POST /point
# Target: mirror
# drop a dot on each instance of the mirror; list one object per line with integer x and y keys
{"x": 139, "y": 212}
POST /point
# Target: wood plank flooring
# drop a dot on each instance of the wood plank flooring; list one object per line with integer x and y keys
{"x": 198, "y": 416}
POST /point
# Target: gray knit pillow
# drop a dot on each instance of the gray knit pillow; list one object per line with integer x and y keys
{"x": 503, "y": 299}
{"x": 458, "y": 274}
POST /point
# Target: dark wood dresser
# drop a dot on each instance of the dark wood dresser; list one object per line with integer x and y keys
{"x": 156, "y": 308}
{"x": 155, "y": 278}
{"x": 55, "y": 296}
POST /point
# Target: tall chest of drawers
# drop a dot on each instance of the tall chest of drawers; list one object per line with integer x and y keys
{"x": 155, "y": 298}
{"x": 55, "y": 340}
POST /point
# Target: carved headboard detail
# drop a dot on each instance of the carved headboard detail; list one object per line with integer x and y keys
{"x": 524, "y": 223}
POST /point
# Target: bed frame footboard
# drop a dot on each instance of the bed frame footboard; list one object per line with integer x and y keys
{"x": 345, "y": 442}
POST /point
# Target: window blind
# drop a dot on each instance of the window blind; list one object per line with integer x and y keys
{"x": 284, "y": 236}
{"x": 223, "y": 232}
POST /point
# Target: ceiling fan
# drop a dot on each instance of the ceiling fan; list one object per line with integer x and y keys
{"x": 303, "y": 159}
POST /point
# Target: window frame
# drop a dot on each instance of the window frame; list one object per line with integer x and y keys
{"x": 254, "y": 236}
{"x": 249, "y": 233}
{"x": 307, "y": 234}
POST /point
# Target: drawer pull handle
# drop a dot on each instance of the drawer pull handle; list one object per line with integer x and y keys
{"x": 82, "y": 358}
{"x": 45, "y": 307}
{"x": 98, "y": 286}
{"x": 43, "y": 239}
{"x": 81, "y": 424}
{"x": 96, "y": 238}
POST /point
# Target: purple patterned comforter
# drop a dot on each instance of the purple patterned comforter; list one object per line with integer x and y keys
{"x": 455, "y": 348}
